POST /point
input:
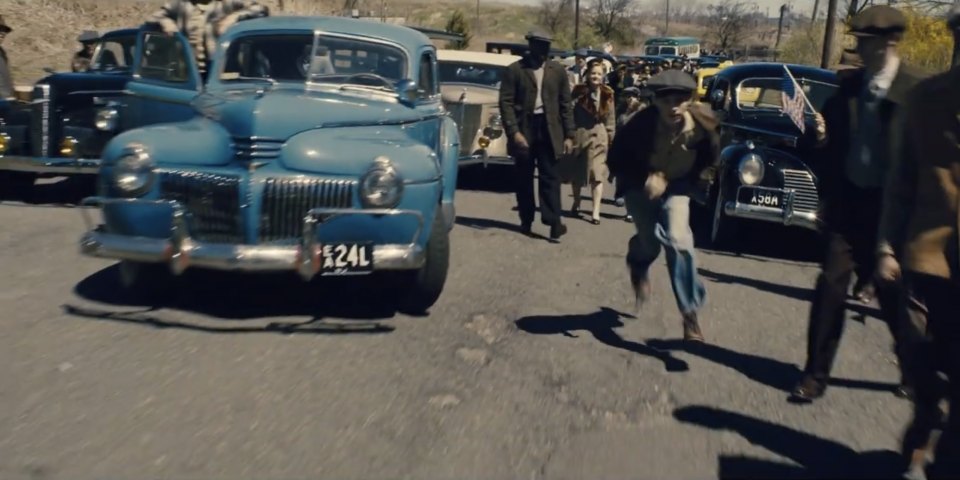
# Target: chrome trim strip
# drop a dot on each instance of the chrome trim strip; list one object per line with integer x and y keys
{"x": 45, "y": 121}
{"x": 17, "y": 163}
{"x": 467, "y": 160}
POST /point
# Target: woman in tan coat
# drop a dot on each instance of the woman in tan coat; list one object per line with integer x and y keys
{"x": 595, "y": 121}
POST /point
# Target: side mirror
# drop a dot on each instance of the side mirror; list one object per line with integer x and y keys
{"x": 407, "y": 92}
{"x": 716, "y": 99}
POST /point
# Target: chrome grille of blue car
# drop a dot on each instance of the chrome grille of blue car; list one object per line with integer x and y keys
{"x": 253, "y": 149}
{"x": 212, "y": 203}
{"x": 287, "y": 200}
{"x": 801, "y": 182}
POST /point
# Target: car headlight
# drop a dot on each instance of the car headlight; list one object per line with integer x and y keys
{"x": 133, "y": 172}
{"x": 4, "y": 143}
{"x": 381, "y": 186}
{"x": 106, "y": 119}
{"x": 751, "y": 169}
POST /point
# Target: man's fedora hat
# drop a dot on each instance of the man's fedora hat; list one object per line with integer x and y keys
{"x": 4, "y": 27}
{"x": 88, "y": 36}
{"x": 878, "y": 20}
{"x": 538, "y": 36}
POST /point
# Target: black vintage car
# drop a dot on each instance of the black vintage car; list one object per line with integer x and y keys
{"x": 769, "y": 169}
{"x": 71, "y": 116}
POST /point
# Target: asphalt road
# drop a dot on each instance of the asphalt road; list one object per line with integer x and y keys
{"x": 528, "y": 367}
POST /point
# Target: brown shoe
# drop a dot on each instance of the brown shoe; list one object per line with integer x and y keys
{"x": 809, "y": 389}
{"x": 691, "y": 328}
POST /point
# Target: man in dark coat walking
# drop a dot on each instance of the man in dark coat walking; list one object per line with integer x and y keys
{"x": 82, "y": 58}
{"x": 919, "y": 238}
{"x": 861, "y": 132}
{"x": 537, "y": 113}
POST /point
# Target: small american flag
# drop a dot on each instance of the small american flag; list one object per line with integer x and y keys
{"x": 793, "y": 101}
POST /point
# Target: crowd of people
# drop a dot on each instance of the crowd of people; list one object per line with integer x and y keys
{"x": 891, "y": 199}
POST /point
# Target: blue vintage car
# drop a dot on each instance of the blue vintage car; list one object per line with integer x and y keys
{"x": 319, "y": 146}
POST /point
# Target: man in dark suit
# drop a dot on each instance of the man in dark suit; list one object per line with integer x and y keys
{"x": 861, "y": 132}
{"x": 6, "y": 80}
{"x": 537, "y": 115}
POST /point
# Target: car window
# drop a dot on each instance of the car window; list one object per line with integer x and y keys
{"x": 465, "y": 72}
{"x": 165, "y": 58}
{"x": 292, "y": 58}
{"x": 766, "y": 93}
{"x": 115, "y": 53}
{"x": 427, "y": 83}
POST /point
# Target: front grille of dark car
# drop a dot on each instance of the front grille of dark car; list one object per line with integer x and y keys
{"x": 801, "y": 182}
{"x": 212, "y": 202}
{"x": 41, "y": 121}
{"x": 287, "y": 200}
{"x": 252, "y": 149}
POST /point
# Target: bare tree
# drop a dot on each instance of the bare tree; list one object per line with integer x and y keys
{"x": 730, "y": 23}
{"x": 555, "y": 15}
{"x": 611, "y": 19}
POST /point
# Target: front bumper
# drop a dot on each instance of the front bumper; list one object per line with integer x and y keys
{"x": 43, "y": 165}
{"x": 180, "y": 251}
{"x": 484, "y": 158}
{"x": 788, "y": 215}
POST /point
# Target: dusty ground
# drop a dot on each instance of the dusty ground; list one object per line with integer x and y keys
{"x": 528, "y": 367}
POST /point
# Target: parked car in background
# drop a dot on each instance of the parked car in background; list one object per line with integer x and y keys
{"x": 768, "y": 171}
{"x": 470, "y": 85}
{"x": 320, "y": 146}
{"x": 69, "y": 117}
{"x": 704, "y": 77}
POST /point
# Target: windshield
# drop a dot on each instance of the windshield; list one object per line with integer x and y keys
{"x": 478, "y": 73}
{"x": 114, "y": 53}
{"x": 765, "y": 93}
{"x": 329, "y": 59}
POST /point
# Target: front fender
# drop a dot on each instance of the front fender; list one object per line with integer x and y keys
{"x": 449, "y": 157}
{"x": 196, "y": 142}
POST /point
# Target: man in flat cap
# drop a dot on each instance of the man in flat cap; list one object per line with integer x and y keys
{"x": 861, "y": 132}
{"x": 535, "y": 103}
{"x": 6, "y": 79}
{"x": 919, "y": 240}
{"x": 203, "y": 21}
{"x": 664, "y": 155}
{"x": 81, "y": 60}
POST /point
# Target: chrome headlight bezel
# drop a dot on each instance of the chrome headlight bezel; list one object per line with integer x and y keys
{"x": 381, "y": 186}
{"x": 751, "y": 169}
{"x": 106, "y": 119}
{"x": 133, "y": 173}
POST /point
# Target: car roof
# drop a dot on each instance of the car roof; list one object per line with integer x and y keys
{"x": 770, "y": 69}
{"x": 405, "y": 36}
{"x": 501, "y": 59}
{"x": 123, "y": 32}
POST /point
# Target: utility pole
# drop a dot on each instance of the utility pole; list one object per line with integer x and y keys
{"x": 666, "y": 28}
{"x": 816, "y": 10}
{"x": 830, "y": 34}
{"x": 956, "y": 39}
{"x": 776, "y": 47}
{"x": 576, "y": 24}
{"x": 477, "y": 28}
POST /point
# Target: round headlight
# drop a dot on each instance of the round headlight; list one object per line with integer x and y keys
{"x": 381, "y": 186}
{"x": 133, "y": 172}
{"x": 751, "y": 169}
{"x": 106, "y": 119}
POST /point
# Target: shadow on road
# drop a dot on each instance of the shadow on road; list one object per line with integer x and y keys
{"x": 773, "y": 373}
{"x": 246, "y": 297}
{"x": 601, "y": 325}
{"x": 816, "y": 457}
{"x": 493, "y": 178}
{"x": 489, "y": 223}
{"x": 316, "y": 326}
{"x": 66, "y": 192}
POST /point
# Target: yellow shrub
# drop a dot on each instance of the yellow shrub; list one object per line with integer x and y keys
{"x": 928, "y": 43}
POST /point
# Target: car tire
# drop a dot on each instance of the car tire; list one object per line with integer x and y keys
{"x": 422, "y": 288}
{"x": 147, "y": 282}
{"x": 724, "y": 233}
{"x": 15, "y": 185}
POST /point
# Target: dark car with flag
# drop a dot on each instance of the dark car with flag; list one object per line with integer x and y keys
{"x": 769, "y": 168}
